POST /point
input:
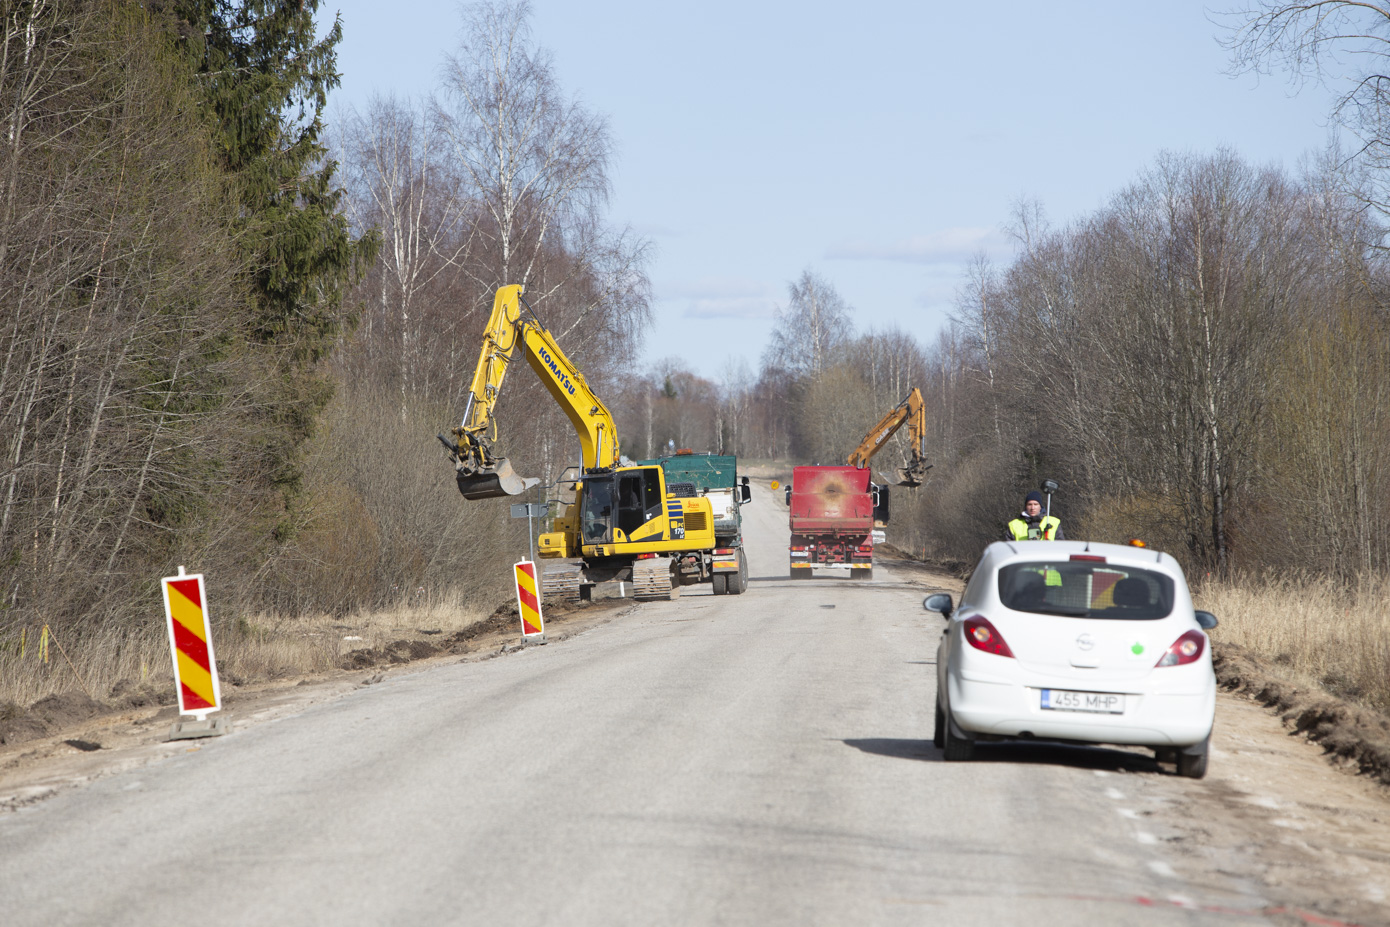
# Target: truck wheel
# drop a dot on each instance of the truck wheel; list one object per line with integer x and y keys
{"x": 863, "y": 574}
{"x": 720, "y": 582}
{"x": 738, "y": 583}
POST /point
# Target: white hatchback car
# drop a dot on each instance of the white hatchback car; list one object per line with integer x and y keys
{"x": 1078, "y": 642}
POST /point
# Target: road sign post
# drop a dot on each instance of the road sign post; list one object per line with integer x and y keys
{"x": 528, "y": 511}
{"x": 195, "y": 667}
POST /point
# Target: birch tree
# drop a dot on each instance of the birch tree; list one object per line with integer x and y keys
{"x": 536, "y": 167}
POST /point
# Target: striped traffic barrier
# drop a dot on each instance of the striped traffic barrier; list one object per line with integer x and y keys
{"x": 528, "y": 601}
{"x": 195, "y": 667}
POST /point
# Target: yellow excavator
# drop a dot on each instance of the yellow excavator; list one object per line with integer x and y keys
{"x": 625, "y": 523}
{"x": 913, "y": 412}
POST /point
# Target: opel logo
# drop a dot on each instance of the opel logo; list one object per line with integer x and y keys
{"x": 1085, "y": 642}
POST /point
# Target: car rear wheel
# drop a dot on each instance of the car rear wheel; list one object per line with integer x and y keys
{"x": 1194, "y": 765}
{"x": 938, "y": 734}
{"x": 955, "y": 749}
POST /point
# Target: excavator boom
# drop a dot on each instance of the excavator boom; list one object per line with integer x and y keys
{"x": 480, "y": 471}
{"x": 910, "y": 411}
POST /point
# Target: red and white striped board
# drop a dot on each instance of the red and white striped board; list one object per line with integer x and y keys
{"x": 528, "y": 600}
{"x": 190, "y": 640}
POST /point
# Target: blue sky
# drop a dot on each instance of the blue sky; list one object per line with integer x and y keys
{"x": 878, "y": 144}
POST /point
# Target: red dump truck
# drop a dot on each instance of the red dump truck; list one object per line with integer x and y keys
{"x": 832, "y": 520}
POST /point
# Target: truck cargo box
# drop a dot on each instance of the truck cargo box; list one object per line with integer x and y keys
{"x": 831, "y": 500}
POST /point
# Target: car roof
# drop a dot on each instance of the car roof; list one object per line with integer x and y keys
{"x": 1002, "y": 553}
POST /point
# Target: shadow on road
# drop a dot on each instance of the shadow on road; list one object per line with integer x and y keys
{"x": 895, "y": 747}
{"x": 1041, "y": 754}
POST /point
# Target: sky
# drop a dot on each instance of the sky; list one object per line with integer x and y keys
{"x": 879, "y": 144}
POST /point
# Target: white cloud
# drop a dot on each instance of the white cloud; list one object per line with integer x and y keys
{"x": 732, "y": 307}
{"x": 713, "y": 288}
{"x": 719, "y": 298}
{"x": 949, "y": 246}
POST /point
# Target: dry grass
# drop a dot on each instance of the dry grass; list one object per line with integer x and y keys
{"x": 249, "y": 650}
{"x": 1322, "y": 630}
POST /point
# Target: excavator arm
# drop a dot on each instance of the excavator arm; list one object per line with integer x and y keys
{"x": 480, "y": 471}
{"x": 911, "y": 411}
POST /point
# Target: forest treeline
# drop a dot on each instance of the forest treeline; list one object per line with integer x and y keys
{"x": 231, "y": 332}
{"x": 1201, "y": 365}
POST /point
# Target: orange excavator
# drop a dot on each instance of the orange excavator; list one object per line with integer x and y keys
{"x": 912, "y": 412}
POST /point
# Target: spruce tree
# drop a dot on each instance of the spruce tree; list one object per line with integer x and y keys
{"x": 264, "y": 80}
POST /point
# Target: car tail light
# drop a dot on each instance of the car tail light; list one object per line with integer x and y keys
{"x": 1093, "y": 558}
{"x": 982, "y": 635}
{"x": 1186, "y": 649}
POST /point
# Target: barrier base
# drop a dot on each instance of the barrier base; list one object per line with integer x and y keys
{"x": 188, "y": 728}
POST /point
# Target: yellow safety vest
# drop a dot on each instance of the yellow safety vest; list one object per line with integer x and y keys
{"x": 1046, "y": 528}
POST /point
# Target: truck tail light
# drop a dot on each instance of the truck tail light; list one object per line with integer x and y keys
{"x": 1186, "y": 649}
{"x": 647, "y": 556}
{"x": 726, "y": 551}
{"x": 982, "y": 635}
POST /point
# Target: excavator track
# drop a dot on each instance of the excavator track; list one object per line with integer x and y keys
{"x": 653, "y": 579}
{"x": 561, "y": 583}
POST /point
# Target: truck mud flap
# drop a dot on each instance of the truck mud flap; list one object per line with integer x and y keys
{"x": 495, "y": 482}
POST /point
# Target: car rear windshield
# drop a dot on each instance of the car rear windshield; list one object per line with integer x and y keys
{"x": 1086, "y": 589}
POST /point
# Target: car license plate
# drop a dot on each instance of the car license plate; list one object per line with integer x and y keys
{"x": 1111, "y": 703}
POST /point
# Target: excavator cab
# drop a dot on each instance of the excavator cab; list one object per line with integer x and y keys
{"x": 596, "y": 510}
{"x": 625, "y": 500}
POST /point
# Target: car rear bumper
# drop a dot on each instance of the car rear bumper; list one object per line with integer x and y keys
{"x": 1158, "y": 719}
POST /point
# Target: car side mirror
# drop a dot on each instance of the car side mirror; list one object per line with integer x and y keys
{"x": 1207, "y": 620}
{"x": 939, "y": 602}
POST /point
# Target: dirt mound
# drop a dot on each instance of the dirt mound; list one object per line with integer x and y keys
{"x": 1356, "y": 735}
{"x": 46, "y": 716}
{"x": 400, "y": 651}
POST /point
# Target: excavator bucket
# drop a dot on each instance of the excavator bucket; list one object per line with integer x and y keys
{"x": 913, "y": 475}
{"x": 495, "y": 482}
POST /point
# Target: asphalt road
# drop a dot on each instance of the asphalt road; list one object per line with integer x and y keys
{"x": 754, "y": 759}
